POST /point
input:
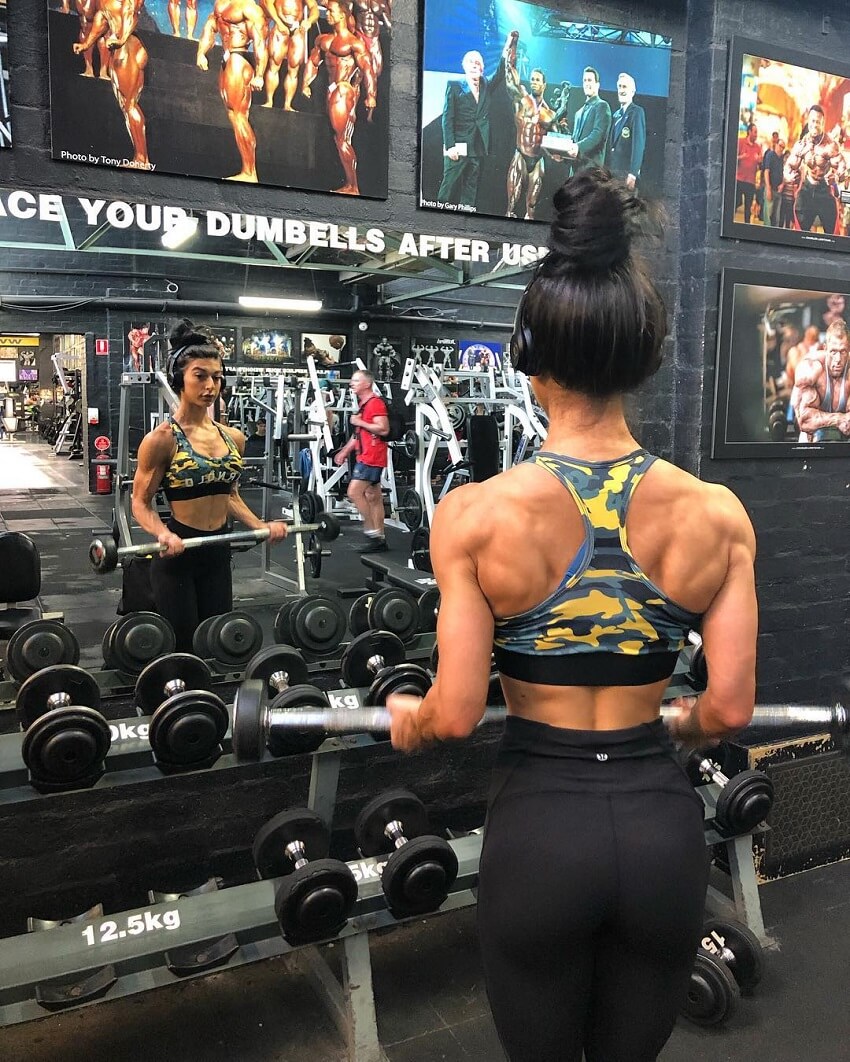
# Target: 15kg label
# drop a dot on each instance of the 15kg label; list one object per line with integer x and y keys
{"x": 135, "y": 925}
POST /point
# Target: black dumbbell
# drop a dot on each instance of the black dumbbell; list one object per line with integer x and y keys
{"x": 420, "y": 550}
{"x": 713, "y": 992}
{"x": 314, "y": 624}
{"x": 258, "y": 724}
{"x": 318, "y": 894}
{"x": 39, "y": 644}
{"x": 230, "y": 639}
{"x": 188, "y": 721}
{"x": 429, "y": 606}
{"x": 743, "y": 801}
{"x": 736, "y": 945}
{"x": 422, "y": 868}
{"x": 376, "y": 659}
{"x": 283, "y": 671}
{"x": 697, "y": 665}
{"x": 391, "y": 609}
{"x": 66, "y": 738}
{"x": 134, "y": 640}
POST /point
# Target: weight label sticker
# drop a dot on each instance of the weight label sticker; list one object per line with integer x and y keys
{"x": 129, "y": 731}
{"x": 364, "y": 871}
{"x": 339, "y": 701}
{"x": 136, "y": 924}
{"x": 713, "y": 943}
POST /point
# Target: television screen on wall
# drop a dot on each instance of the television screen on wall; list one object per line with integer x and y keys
{"x": 516, "y": 96}
{"x": 786, "y": 175}
{"x": 783, "y": 367}
{"x": 479, "y": 355}
{"x": 318, "y": 119}
{"x": 27, "y": 374}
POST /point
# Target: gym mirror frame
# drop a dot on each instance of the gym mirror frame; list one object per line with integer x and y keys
{"x": 752, "y": 387}
{"x": 816, "y": 80}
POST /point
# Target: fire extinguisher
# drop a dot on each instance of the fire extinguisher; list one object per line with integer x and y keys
{"x": 102, "y": 478}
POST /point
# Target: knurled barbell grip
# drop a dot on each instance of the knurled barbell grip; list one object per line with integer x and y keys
{"x": 349, "y": 720}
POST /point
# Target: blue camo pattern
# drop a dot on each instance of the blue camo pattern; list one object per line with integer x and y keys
{"x": 193, "y": 475}
{"x": 604, "y": 602}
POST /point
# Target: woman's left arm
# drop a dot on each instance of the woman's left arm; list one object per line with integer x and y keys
{"x": 455, "y": 704}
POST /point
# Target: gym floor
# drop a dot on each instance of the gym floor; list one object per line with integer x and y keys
{"x": 429, "y": 990}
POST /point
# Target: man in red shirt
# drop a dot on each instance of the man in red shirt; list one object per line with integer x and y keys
{"x": 749, "y": 165}
{"x": 372, "y": 425}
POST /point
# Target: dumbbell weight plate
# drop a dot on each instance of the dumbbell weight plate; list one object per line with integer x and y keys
{"x": 314, "y": 555}
{"x": 411, "y": 443}
{"x": 457, "y": 415}
{"x": 420, "y": 550}
{"x": 188, "y": 727}
{"x": 274, "y": 659}
{"x": 315, "y": 901}
{"x": 310, "y": 505}
{"x": 248, "y": 706}
{"x": 282, "y": 630}
{"x": 31, "y": 701}
{"x": 713, "y": 992}
{"x": 137, "y": 639}
{"x": 358, "y": 617}
{"x": 39, "y": 644}
{"x": 398, "y": 804}
{"x": 105, "y": 651}
{"x": 296, "y": 824}
{"x": 744, "y": 945}
{"x": 234, "y": 638}
{"x": 744, "y": 802}
{"x": 403, "y": 678}
{"x": 429, "y": 604}
{"x": 286, "y": 740}
{"x": 396, "y": 610}
{"x": 698, "y": 666}
{"x": 200, "y": 639}
{"x": 411, "y": 509}
{"x": 777, "y": 427}
{"x": 66, "y": 745}
{"x": 150, "y": 685}
{"x": 778, "y": 405}
{"x": 417, "y": 877}
{"x": 317, "y": 624}
{"x": 355, "y": 659}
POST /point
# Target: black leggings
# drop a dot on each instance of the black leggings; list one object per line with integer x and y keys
{"x": 593, "y": 877}
{"x": 193, "y": 586}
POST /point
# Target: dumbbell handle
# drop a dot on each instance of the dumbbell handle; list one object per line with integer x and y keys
{"x": 352, "y": 720}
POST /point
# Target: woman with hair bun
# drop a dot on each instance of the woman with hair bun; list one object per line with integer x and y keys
{"x": 197, "y": 464}
{"x": 583, "y": 571}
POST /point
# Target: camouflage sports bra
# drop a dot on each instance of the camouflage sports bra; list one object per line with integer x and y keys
{"x": 193, "y": 475}
{"x": 606, "y": 624}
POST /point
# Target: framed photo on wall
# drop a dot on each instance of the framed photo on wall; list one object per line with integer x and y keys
{"x": 478, "y": 355}
{"x": 436, "y": 353}
{"x": 516, "y": 97}
{"x": 385, "y": 358}
{"x": 783, "y": 367}
{"x": 327, "y": 350}
{"x": 786, "y": 173}
{"x": 270, "y": 346}
{"x": 5, "y": 109}
{"x": 154, "y": 102}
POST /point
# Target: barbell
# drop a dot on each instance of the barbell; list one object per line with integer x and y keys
{"x": 254, "y": 702}
{"x": 105, "y": 555}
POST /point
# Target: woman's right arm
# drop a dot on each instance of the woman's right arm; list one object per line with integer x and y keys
{"x": 729, "y": 636}
{"x": 155, "y": 453}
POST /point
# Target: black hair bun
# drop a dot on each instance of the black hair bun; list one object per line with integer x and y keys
{"x": 187, "y": 334}
{"x": 596, "y": 219}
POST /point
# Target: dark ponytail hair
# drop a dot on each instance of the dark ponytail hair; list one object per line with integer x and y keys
{"x": 187, "y": 341}
{"x": 592, "y": 319}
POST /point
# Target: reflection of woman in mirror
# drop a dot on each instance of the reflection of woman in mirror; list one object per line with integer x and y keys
{"x": 197, "y": 464}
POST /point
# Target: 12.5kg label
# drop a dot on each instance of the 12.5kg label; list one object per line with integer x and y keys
{"x": 135, "y": 925}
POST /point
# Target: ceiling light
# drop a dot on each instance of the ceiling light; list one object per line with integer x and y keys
{"x": 180, "y": 232}
{"x": 266, "y": 302}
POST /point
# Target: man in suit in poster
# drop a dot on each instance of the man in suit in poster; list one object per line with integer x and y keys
{"x": 627, "y": 140}
{"x": 591, "y": 126}
{"x": 466, "y": 132}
